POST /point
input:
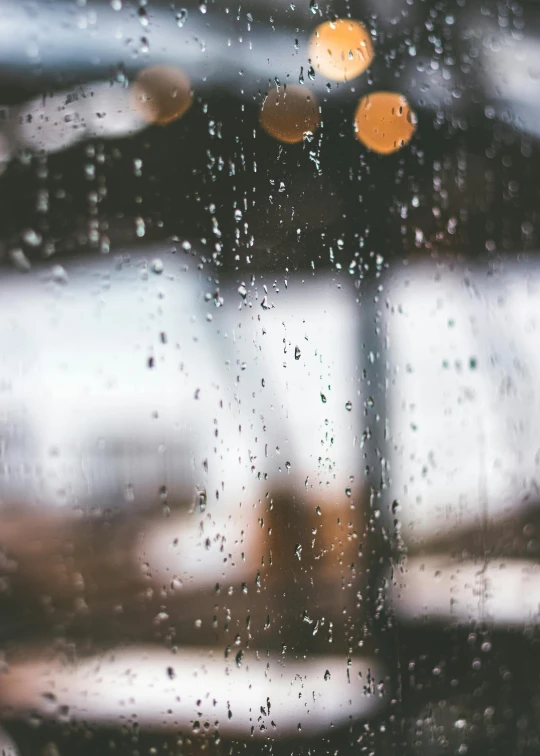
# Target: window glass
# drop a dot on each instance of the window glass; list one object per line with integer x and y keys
{"x": 269, "y": 377}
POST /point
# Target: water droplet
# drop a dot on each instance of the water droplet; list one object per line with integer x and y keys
{"x": 20, "y": 260}
{"x": 143, "y": 16}
{"x": 160, "y": 618}
{"x": 59, "y": 274}
{"x": 181, "y": 17}
{"x": 201, "y": 499}
{"x": 32, "y": 238}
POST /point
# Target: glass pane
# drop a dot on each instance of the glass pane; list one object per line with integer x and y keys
{"x": 269, "y": 303}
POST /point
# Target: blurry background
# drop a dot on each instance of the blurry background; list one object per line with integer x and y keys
{"x": 466, "y": 182}
{"x": 269, "y": 373}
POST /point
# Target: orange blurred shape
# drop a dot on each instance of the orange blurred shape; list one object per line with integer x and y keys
{"x": 341, "y": 50}
{"x": 384, "y": 122}
{"x": 161, "y": 94}
{"x": 289, "y": 113}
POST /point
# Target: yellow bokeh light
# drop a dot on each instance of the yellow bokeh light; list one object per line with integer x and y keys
{"x": 288, "y": 113}
{"x": 384, "y": 122}
{"x": 161, "y": 94}
{"x": 341, "y": 50}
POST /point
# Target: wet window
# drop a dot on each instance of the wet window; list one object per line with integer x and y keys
{"x": 269, "y": 378}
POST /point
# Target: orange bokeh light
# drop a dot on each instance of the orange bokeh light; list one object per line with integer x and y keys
{"x": 289, "y": 112}
{"x": 161, "y": 94}
{"x": 341, "y": 50}
{"x": 384, "y": 122}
